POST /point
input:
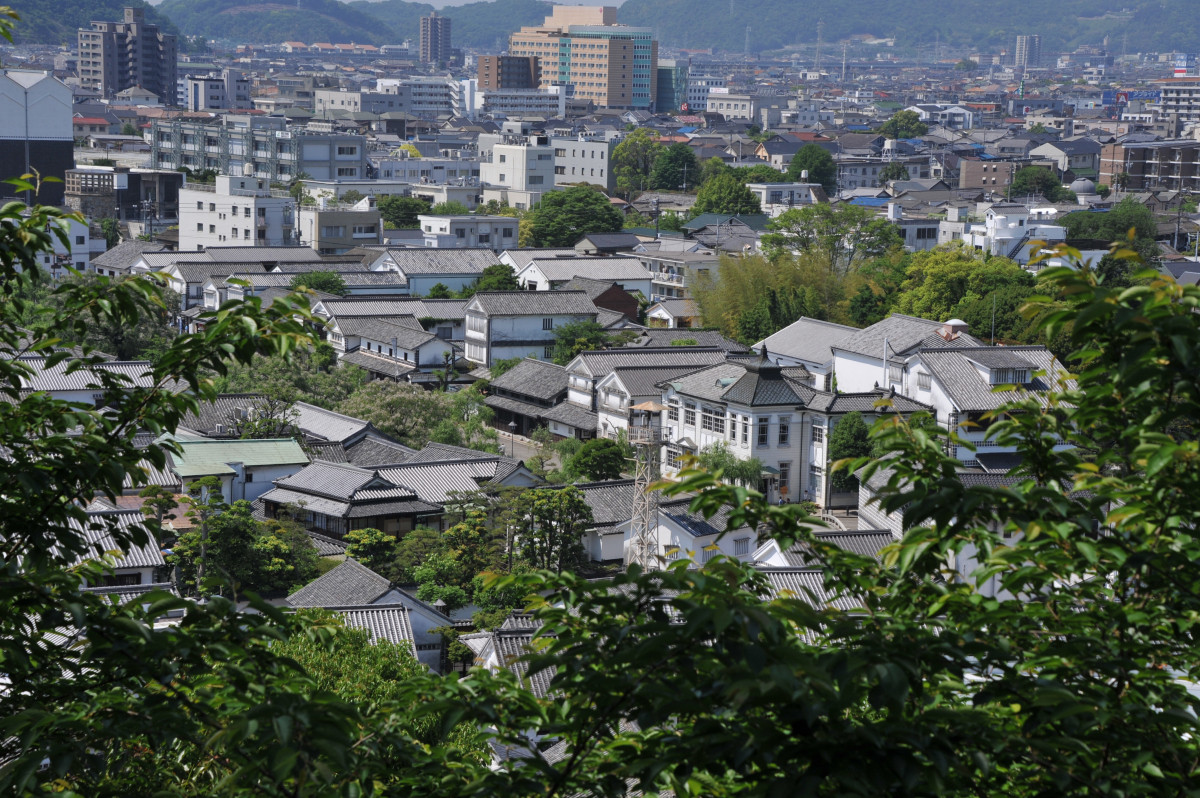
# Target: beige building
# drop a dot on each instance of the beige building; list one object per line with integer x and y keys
{"x": 334, "y": 229}
{"x": 611, "y": 65}
{"x": 120, "y": 55}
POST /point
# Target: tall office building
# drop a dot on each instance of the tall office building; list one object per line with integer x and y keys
{"x": 114, "y": 56}
{"x": 435, "y": 39}
{"x": 613, "y": 66}
{"x": 1029, "y": 52}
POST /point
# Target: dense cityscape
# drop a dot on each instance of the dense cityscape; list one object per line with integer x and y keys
{"x": 601, "y": 411}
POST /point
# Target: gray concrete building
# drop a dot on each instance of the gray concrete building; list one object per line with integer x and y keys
{"x": 114, "y": 56}
{"x": 584, "y": 160}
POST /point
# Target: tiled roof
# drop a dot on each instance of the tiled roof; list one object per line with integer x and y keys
{"x": 312, "y": 503}
{"x": 522, "y": 257}
{"x": 388, "y": 622}
{"x": 608, "y": 269}
{"x": 611, "y": 502}
{"x": 534, "y": 303}
{"x": 807, "y": 585}
{"x": 349, "y": 584}
{"x": 694, "y": 523}
{"x": 597, "y": 363}
{"x": 326, "y": 546}
{"x": 866, "y": 403}
{"x": 658, "y": 337}
{"x": 807, "y": 339}
{"x": 435, "y": 481}
{"x": 373, "y": 451}
{"x": 98, "y": 532}
{"x": 201, "y": 458}
{"x": 535, "y": 378}
{"x": 511, "y": 647}
{"x": 415, "y": 307}
{"x": 334, "y": 480}
{"x": 125, "y": 254}
{"x": 373, "y": 361}
{"x": 970, "y": 390}
{"x": 593, "y": 288}
{"x": 679, "y": 308}
{"x": 440, "y": 452}
{"x": 317, "y": 422}
{"x": 443, "y": 261}
{"x": 261, "y": 254}
{"x": 867, "y": 542}
{"x": 57, "y": 378}
{"x": 643, "y": 381}
{"x": 612, "y": 240}
{"x": 903, "y": 334}
{"x": 408, "y": 332}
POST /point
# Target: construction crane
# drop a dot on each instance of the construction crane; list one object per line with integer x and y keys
{"x": 646, "y": 437}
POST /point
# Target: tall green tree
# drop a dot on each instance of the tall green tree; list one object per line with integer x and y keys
{"x": 564, "y": 217}
{"x": 725, "y": 194}
{"x": 938, "y": 280}
{"x": 904, "y": 125}
{"x": 451, "y": 208}
{"x": 550, "y": 525}
{"x": 599, "y": 459}
{"x": 402, "y": 410}
{"x": 571, "y": 339}
{"x": 846, "y": 234}
{"x": 632, "y": 160}
{"x": 1032, "y": 180}
{"x": 309, "y": 373}
{"x": 497, "y": 277}
{"x": 327, "y": 281}
{"x": 816, "y": 160}
{"x": 850, "y": 439}
{"x": 401, "y": 212}
{"x": 372, "y": 547}
{"x": 675, "y": 166}
{"x": 895, "y": 170}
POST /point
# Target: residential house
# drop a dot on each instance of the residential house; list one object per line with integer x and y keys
{"x": 391, "y": 348}
{"x": 1073, "y": 158}
{"x": 245, "y": 468}
{"x": 469, "y": 232}
{"x": 673, "y": 314}
{"x": 508, "y": 324}
{"x": 84, "y": 385}
{"x": 588, "y": 368}
{"x": 533, "y": 394}
{"x": 334, "y": 498}
{"x": 873, "y": 357}
{"x": 607, "y": 295}
{"x": 672, "y": 272}
{"x": 353, "y": 590}
{"x": 424, "y": 268}
{"x": 607, "y": 243}
{"x": 555, "y": 273}
{"x": 139, "y": 565}
{"x": 776, "y": 198}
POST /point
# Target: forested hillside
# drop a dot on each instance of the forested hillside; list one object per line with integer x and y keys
{"x": 306, "y": 21}
{"x": 484, "y": 24}
{"x": 1160, "y": 25}
{"x": 57, "y": 21}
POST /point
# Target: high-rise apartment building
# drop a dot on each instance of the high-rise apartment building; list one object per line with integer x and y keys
{"x": 508, "y": 72}
{"x": 114, "y": 56}
{"x": 611, "y": 65}
{"x": 435, "y": 39}
{"x": 1029, "y": 52}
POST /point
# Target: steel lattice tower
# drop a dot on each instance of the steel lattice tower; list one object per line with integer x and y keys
{"x": 645, "y": 434}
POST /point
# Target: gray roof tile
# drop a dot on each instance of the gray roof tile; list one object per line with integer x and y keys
{"x": 534, "y": 303}
{"x": 443, "y": 261}
{"x": 98, "y": 533}
{"x": 535, "y": 378}
{"x": 612, "y": 269}
{"x": 970, "y": 390}
{"x": 904, "y": 334}
{"x": 807, "y": 339}
{"x": 349, "y": 584}
{"x": 388, "y": 622}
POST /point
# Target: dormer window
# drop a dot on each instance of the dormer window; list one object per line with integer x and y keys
{"x": 1009, "y": 376}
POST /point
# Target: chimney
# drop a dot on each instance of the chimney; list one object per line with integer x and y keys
{"x": 953, "y": 328}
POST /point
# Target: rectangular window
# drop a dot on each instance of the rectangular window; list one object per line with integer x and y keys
{"x": 347, "y": 171}
{"x": 535, "y": 180}
{"x": 199, "y": 206}
{"x": 547, "y": 324}
{"x": 818, "y": 433}
{"x": 785, "y": 475}
{"x": 689, "y": 415}
{"x": 745, "y": 430}
{"x": 672, "y": 410}
{"x": 741, "y": 546}
{"x": 814, "y": 479}
{"x": 764, "y": 424}
{"x": 333, "y": 231}
{"x": 548, "y": 352}
{"x": 924, "y": 381}
{"x": 732, "y": 428}
{"x": 78, "y": 239}
{"x": 894, "y": 372}
{"x": 199, "y": 227}
{"x": 347, "y": 150}
{"x": 785, "y": 430}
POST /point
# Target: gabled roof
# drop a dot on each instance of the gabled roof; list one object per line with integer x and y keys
{"x": 372, "y": 451}
{"x": 611, "y": 241}
{"x": 611, "y": 501}
{"x": 58, "y": 378}
{"x": 535, "y": 378}
{"x": 98, "y": 534}
{"x": 904, "y": 334}
{"x": 533, "y": 303}
{"x": 334, "y": 480}
{"x": 435, "y": 481}
{"x": 380, "y": 364}
{"x": 807, "y": 585}
{"x": 443, "y": 261}
{"x": 261, "y": 254}
{"x": 867, "y": 542}
{"x": 755, "y": 221}
{"x": 349, "y": 584}
{"x": 593, "y": 288}
{"x": 317, "y": 422}
{"x": 522, "y": 257}
{"x": 388, "y": 622}
{"x": 971, "y": 391}
{"x": 597, "y": 363}
{"x": 201, "y": 458}
{"x": 407, "y": 331}
{"x": 609, "y": 269}
{"x": 807, "y": 339}
{"x": 125, "y": 254}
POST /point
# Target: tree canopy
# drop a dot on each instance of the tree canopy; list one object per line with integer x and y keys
{"x": 401, "y": 212}
{"x": 816, "y": 160}
{"x": 846, "y": 234}
{"x": 1032, "y": 180}
{"x": 849, "y": 439}
{"x": 564, "y": 217}
{"x": 633, "y": 159}
{"x": 675, "y": 166}
{"x": 600, "y": 458}
{"x": 326, "y": 281}
{"x": 904, "y": 125}
{"x": 725, "y": 194}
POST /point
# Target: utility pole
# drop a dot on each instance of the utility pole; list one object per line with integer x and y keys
{"x": 843, "y": 62}
{"x": 820, "y": 34}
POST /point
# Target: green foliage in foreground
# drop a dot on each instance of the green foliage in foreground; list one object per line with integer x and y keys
{"x": 904, "y": 679}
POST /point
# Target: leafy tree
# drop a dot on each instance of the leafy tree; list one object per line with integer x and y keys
{"x": 938, "y": 280}
{"x": 412, "y": 551}
{"x": 497, "y": 277}
{"x": 268, "y": 417}
{"x": 401, "y": 212}
{"x": 305, "y": 374}
{"x": 816, "y": 160}
{"x": 439, "y": 291}
{"x": 496, "y": 600}
{"x": 550, "y": 525}
{"x": 501, "y": 367}
{"x": 404, "y": 411}
{"x": 722, "y": 463}
{"x": 472, "y": 420}
{"x": 967, "y": 65}
{"x": 437, "y": 579}
{"x": 352, "y": 197}
{"x": 112, "y": 232}
{"x": 473, "y": 544}
{"x": 564, "y": 217}
{"x": 846, "y": 234}
{"x": 1115, "y": 225}
{"x": 894, "y": 170}
{"x": 673, "y": 166}
{"x": 881, "y": 280}
{"x": 128, "y": 129}
{"x": 850, "y": 439}
{"x": 904, "y": 125}
{"x": 450, "y": 208}
{"x": 580, "y": 336}
{"x": 671, "y": 221}
{"x": 711, "y": 168}
{"x": 159, "y": 502}
{"x": 633, "y": 159}
{"x": 373, "y": 548}
{"x": 1038, "y": 180}
{"x": 759, "y": 173}
{"x": 329, "y": 282}
{"x": 725, "y": 194}
{"x": 599, "y": 459}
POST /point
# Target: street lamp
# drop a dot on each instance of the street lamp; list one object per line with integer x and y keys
{"x": 512, "y": 442}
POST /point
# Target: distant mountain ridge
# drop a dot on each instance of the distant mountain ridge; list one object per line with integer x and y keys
{"x": 270, "y": 22}
{"x": 59, "y": 21}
